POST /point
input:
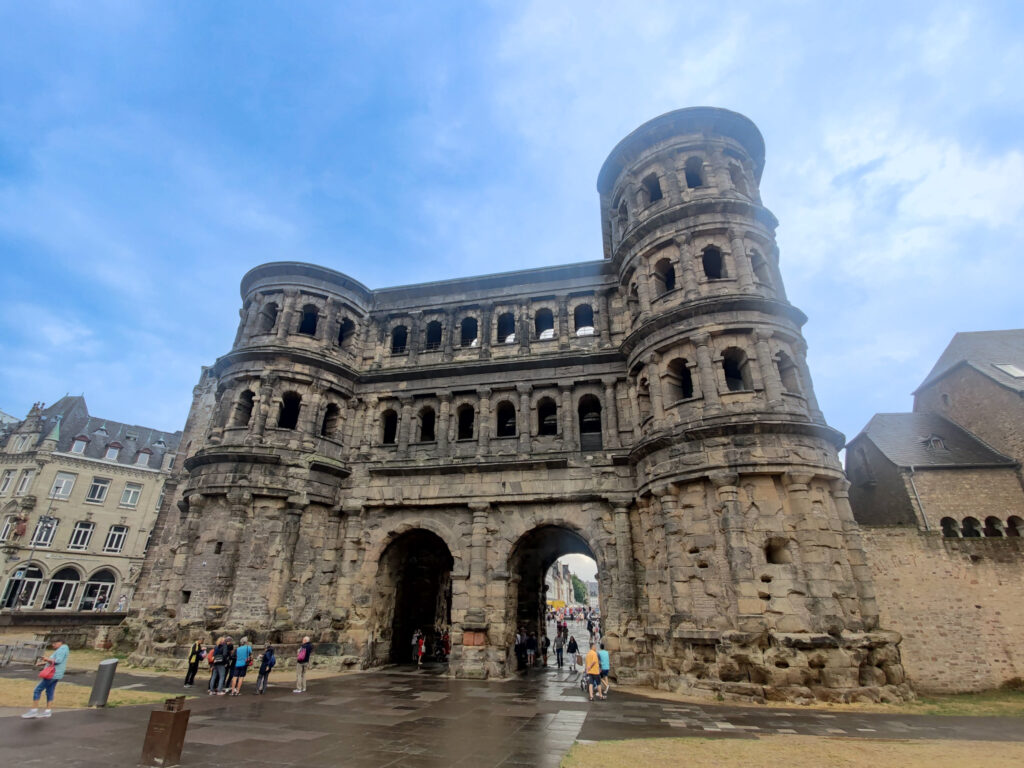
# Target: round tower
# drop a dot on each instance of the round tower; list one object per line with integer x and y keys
{"x": 741, "y": 500}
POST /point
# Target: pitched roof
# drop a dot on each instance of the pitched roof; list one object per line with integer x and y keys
{"x": 905, "y": 439}
{"x": 983, "y": 351}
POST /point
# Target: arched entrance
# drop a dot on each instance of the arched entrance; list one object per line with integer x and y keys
{"x": 22, "y": 587}
{"x": 414, "y": 591}
{"x": 60, "y": 595}
{"x": 531, "y": 558}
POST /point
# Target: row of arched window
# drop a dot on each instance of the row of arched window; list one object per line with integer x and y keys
{"x": 972, "y": 528}
{"x": 65, "y": 590}
{"x": 308, "y": 322}
{"x": 505, "y": 329}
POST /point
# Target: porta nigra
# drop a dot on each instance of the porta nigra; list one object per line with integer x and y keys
{"x": 364, "y": 462}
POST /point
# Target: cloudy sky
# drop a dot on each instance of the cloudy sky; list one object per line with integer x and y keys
{"x": 151, "y": 153}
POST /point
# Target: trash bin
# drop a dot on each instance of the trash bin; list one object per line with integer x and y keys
{"x": 104, "y": 679}
{"x": 165, "y": 735}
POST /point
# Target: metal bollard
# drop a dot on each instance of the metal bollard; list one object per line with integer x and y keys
{"x": 104, "y": 679}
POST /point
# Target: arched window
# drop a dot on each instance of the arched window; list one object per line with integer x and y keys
{"x": 1015, "y": 527}
{"x": 544, "y": 322}
{"x": 950, "y": 529}
{"x": 389, "y": 426}
{"x": 652, "y": 187}
{"x": 506, "y": 328}
{"x": 466, "y": 416}
{"x": 268, "y": 318}
{"x": 694, "y": 170}
{"x": 583, "y": 320}
{"x": 789, "y": 374}
{"x": 60, "y": 595}
{"x": 711, "y": 260}
{"x": 971, "y": 528}
{"x": 739, "y": 182}
{"x": 760, "y": 268}
{"x": 346, "y": 333}
{"x": 22, "y": 587}
{"x": 98, "y": 590}
{"x": 433, "y": 339}
{"x": 399, "y": 339}
{"x": 469, "y": 332}
{"x": 506, "y": 417}
{"x": 737, "y": 370}
{"x": 993, "y": 528}
{"x": 288, "y": 418}
{"x": 308, "y": 323}
{"x": 665, "y": 277}
{"x": 427, "y": 422}
{"x": 589, "y": 411}
{"x": 680, "y": 380}
{"x": 547, "y": 417}
{"x": 331, "y": 418}
{"x": 243, "y": 409}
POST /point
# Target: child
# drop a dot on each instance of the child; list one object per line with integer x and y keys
{"x": 267, "y": 662}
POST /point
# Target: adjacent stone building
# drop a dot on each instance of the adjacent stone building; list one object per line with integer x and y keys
{"x": 939, "y": 494}
{"x": 78, "y": 499}
{"x": 363, "y": 463}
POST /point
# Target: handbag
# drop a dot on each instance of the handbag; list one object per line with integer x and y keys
{"x": 47, "y": 672}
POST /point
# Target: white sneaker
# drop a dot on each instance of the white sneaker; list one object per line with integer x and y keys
{"x": 31, "y": 713}
{"x": 45, "y": 713}
{"x": 296, "y": 691}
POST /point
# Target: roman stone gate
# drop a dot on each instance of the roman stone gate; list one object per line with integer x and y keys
{"x": 364, "y": 463}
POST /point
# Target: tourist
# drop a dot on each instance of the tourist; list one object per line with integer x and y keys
{"x": 302, "y": 657}
{"x": 229, "y": 666}
{"x": 520, "y": 649}
{"x": 243, "y": 658}
{"x": 531, "y": 650}
{"x": 544, "y": 645}
{"x": 49, "y": 676}
{"x": 122, "y": 603}
{"x": 573, "y": 649}
{"x": 420, "y": 648}
{"x": 592, "y": 668}
{"x": 267, "y": 662}
{"x": 606, "y": 665}
{"x": 559, "y": 649}
{"x": 195, "y": 655}
{"x": 218, "y": 669}
{"x": 416, "y": 645}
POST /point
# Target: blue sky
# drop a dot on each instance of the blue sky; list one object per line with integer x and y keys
{"x": 151, "y": 153}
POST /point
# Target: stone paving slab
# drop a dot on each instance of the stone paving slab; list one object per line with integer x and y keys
{"x": 383, "y": 719}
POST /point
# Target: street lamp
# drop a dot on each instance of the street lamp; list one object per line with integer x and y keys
{"x": 44, "y": 524}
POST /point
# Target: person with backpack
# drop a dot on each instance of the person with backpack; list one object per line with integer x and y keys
{"x": 229, "y": 665}
{"x": 195, "y": 654}
{"x": 573, "y": 649}
{"x": 267, "y": 662}
{"x": 243, "y": 658}
{"x": 218, "y": 667}
{"x": 305, "y": 653}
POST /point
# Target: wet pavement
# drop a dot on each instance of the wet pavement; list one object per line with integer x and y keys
{"x": 406, "y": 717}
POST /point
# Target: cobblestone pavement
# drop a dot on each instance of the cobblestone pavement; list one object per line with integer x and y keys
{"x": 410, "y": 718}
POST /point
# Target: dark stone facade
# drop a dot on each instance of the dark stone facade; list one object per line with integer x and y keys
{"x": 363, "y": 461}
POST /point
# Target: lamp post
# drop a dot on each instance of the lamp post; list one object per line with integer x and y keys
{"x": 45, "y": 522}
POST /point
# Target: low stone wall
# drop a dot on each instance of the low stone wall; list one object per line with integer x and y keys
{"x": 78, "y": 630}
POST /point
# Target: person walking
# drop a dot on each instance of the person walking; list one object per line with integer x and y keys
{"x": 559, "y": 649}
{"x": 243, "y": 657}
{"x": 218, "y": 670}
{"x": 592, "y": 667}
{"x": 302, "y": 657}
{"x": 605, "y": 662}
{"x": 267, "y": 662}
{"x": 229, "y": 666}
{"x": 420, "y": 648}
{"x": 531, "y": 650}
{"x": 195, "y": 655}
{"x": 545, "y": 644}
{"x": 573, "y": 649}
{"x": 49, "y": 676}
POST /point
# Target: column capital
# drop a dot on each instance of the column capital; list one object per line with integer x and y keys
{"x": 609, "y": 381}
{"x": 724, "y": 479}
{"x": 797, "y": 481}
{"x": 485, "y": 392}
{"x": 479, "y": 506}
{"x": 841, "y": 488}
{"x": 701, "y": 339}
{"x": 763, "y": 334}
{"x": 524, "y": 389}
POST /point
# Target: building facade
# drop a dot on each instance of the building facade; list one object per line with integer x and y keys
{"x": 363, "y": 463}
{"x": 939, "y": 494}
{"x": 78, "y": 499}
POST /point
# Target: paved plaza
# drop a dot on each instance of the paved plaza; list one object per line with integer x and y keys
{"x": 404, "y": 717}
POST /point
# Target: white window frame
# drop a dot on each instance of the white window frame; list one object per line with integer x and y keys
{"x": 81, "y": 535}
{"x": 117, "y": 535}
{"x": 143, "y": 459}
{"x": 65, "y": 600}
{"x": 9, "y": 523}
{"x": 37, "y": 539}
{"x": 130, "y": 495}
{"x": 19, "y": 443}
{"x": 98, "y": 484}
{"x": 78, "y": 446}
{"x": 63, "y": 484}
{"x": 111, "y": 450}
{"x": 6, "y": 479}
{"x": 28, "y": 592}
{"x": 25, "y": 482}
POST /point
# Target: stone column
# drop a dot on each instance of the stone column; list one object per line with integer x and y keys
{"x": 444, "y": 416}
{"x": 741, "y": 261}
{"x": 611, "y": 409}
{"x": 654, "y": 382}
{"x": 624, "y": 561}
{"x": 414, "y": 336}
{"x": 449, "y": 335}
{"x": 563, "y": 322}
{"x": 568, "y": 443}
{"x": 405, "y": 427}
{"x": 242, "y": 323}
{"x": 677, "y": 566}
{"x": 856, "y": 554}
{"x": 284, "y": 319}
{"x": 485, "y": 332}
{"x": 476, "y": 615}
{"x": 370, "y": 423}
{"x": 353, "y": 511}
{"x": 800, "y": 350}
{"x": 523, "y": 418}
{"x": 643, "y": 289}
{"x": 524, "y": 329}
{"x": 691, "y": 286}
{"x": 737, "y": 555}
{"x": 635, "y": 406}
{"x": 281, "y": 568}
{"x": 353, "y": 424}
{"x": 483, "y": 428}
{"x": 604, "y": 321}
{"x": 327, "y": 328}
{"x": 769, "y": 371}
{"x": 706, "y": 373}
{"x": 262, "y": 406}
{"x": 772, "y": 257}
